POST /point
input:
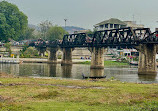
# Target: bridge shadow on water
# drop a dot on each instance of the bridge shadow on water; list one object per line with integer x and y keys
{"x": 147, "y": 77}
{"x": 66, "y": 71}
{"x": 52, "y": 70}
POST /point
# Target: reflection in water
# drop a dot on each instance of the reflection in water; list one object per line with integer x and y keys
{"x": 129, "y": 74}
{"x": 96, "y": 72}
{"x": 52, "y": 70}
{"x": 10, "y": 68}
{"x": 147, "y": 77}
{"x": 32, "y": 69}
{"x": 66, "y": 71}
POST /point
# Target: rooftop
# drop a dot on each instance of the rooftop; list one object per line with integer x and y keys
{"x": 111, "y": 21}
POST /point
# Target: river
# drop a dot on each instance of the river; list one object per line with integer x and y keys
{"x": 124, "y": 74}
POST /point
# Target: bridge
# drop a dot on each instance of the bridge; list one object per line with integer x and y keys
{"x": 141, "y": 39}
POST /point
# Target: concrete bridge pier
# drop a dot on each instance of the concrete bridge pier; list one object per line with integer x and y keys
{"x": 97, "y": 60}
{"x": 67, "y": 56}
{"x": 96, "y": 72}
{"x": 147, "y": 59}
{"x": 52, "y": 55}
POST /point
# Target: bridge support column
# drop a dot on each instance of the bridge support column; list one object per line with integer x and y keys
{"x": 96, "y": 72}
{"x": 52, "y": 56}
{"x": 97, "y": 60}
{"x": 147, "y": 59}
{"x": 67, "y": 56}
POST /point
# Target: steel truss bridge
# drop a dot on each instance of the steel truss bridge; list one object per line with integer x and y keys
{"x": 123, "y": 37}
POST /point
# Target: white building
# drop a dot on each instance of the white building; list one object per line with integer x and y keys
{"x": 112, "y": 23}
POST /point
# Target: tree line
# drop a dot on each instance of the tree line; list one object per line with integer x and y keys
{"x": 14, "y": 26}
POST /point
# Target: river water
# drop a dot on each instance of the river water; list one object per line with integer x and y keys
{"x": 125, "y": 74}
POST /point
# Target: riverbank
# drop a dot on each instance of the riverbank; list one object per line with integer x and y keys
{"x": 107, "y": 63}
{"x": 74, "y": 61}
{"x": 43, "y": 60}
{"x": 36, "y": 94}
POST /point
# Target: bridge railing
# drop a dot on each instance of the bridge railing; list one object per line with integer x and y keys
{"x": 152, "y": 38}
{"x": 73, "y": 40}
{"x": 113, "y": 37}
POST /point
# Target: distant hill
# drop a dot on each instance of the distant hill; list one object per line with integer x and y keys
{"x": 71, "y": 29}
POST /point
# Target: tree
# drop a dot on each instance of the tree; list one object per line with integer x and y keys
{"x": 28, "y": 34}
{"x": 56, "y": 32}
{"x": 12, "y": 21}
{"x": 44, "y": 27}
{"x": 31, "y": 52}
{"x": 8, "y": 48}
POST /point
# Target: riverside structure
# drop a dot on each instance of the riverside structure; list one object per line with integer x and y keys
{"x": 141, "y": 39}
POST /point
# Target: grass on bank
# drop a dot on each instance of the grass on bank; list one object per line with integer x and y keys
{"x": 108, "y": 63}
{"x": 35, "y": 94}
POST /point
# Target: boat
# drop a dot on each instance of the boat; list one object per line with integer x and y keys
{"x": 92, "y": 77}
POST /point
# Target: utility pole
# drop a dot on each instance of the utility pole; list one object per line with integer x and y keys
{"x": 133, "y": 17}
{"x": 65, "y": 22}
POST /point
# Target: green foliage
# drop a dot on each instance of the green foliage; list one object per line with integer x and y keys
{"x": 28, "y": 34}
{"x": 86, "y": 62}
{"x": 8, "y": 48}
{"x": 28, "y": 52}
{"x": 23, "y": 50}
{"x": 50, "y": 32}
{"x": 55, "y": 32}
{"x": 115, "y": 63}
{"x": 44, "y": 27}
{"x": 108, "y": 63}
{"x": 12, "y": 21}
{"x": 136, "y": 58}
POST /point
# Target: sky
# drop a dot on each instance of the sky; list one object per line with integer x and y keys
{"x": 86, "y": 13}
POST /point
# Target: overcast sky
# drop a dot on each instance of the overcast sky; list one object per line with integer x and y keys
{"x": 86, "y": 13}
